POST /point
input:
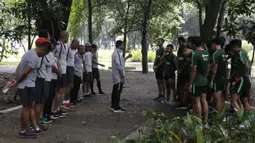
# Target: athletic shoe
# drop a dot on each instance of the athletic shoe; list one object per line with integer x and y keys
{"x": 101, "y": 93}
{"x": 75, "y": 103}
{"x": 156, "y": 99}
{"x": 119, "y": 110}
{"x": 43, "y": 127}
{"x": 54, "y": 116}
{"x": 26, "y": 135}
{"x": 47, "y": 119}
{"x": 66, "y": 106}
{"x": 161, "y": 99}
{"x": 87, "y": 95}
{"x": 93, "y": 93}
{"x": 38, "y": 132}
{"x": 62, "y": 112}
{"x": 112, "y": 109}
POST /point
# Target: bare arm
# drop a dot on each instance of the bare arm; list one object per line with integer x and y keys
{"x": 193, "y": 75}
{"x": 28, "y": 69}
{"x": 214, "y": 71}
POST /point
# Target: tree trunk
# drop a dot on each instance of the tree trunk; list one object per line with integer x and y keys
{"x": 200, "y": 14}
{"x": 221, "y": 17}
{"x": 125, "y": 42}
{"x": 90, "y": 21}
{"x": 252, "y": 59}
{"x": 207, "y": 29}
{"x": 144, "y": 41}
{"x": 29, "y": 25}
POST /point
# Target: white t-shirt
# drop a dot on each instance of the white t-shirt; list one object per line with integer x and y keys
{"x": 88, "y": 61}
{"x": 70, "y": 57}
{"x": 54, "y": 75}
{"x": 61, "y": 53}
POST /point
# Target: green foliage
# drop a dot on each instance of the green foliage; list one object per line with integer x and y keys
{"x": 190, "y": 129}
{"x": 137, "y": 55}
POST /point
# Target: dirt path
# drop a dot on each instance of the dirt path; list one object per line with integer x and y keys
{"x": 92, "y": 121}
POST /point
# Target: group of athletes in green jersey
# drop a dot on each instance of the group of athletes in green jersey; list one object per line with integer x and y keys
{"x": 203, "y": 75}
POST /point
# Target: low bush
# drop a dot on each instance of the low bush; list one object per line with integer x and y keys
{"x": 190, "y": 129}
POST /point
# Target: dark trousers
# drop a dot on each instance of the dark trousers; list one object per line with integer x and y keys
{"x": 116, "y": 92}
{"x": 96, "y": 75}
{"x": 52, "y": 94}
{"x": 76, "y": 88}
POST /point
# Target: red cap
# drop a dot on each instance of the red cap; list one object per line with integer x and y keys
{"x": 40, "y": 41}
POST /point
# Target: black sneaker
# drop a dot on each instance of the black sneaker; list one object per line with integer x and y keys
{"x": 101, "y": 93}
{"x": 93, "y": 93}
{"x": 54, "y": 116}
{"x": 87, "y": 95}
{"x": 62, "y": 112}
{"x": 119, "y": 110}
{"x": 157, "y": 98}
{"x": 43, "y": 127}
{"x": 27, "y": 135}
{"x": 60, "y": 115}
{"x": 38, "y": 132}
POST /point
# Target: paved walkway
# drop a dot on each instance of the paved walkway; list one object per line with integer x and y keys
{"x": 92, "y": 121}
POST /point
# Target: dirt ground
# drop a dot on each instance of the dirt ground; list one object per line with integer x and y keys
{"x": 92, "y": 121}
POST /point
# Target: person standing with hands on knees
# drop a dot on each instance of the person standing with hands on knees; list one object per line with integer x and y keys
{"x": 118, "y": 76}
{"x": 27, "y": 70}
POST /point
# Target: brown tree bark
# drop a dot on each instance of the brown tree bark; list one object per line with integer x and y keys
{"x": 211, "y": 14}
{"x": 90, "y": 21}
{"x": 221, "y": 17}
{"x": 144, "y": 41}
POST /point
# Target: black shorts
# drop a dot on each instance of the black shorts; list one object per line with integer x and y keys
{"x": 27, "y": 96}
{"x": 219, "y": 84}
{"x": 241, "y": 87}
{"x": 62, "y": 81}
{"x": 169, "y": 76}
{"x": 159, "y": 74}
{"x": 199, "y": 90}
{"x": 42, "y": 88}
{"x": 183, "y": 78}
{"x": 87, "y": 77}
{"x": 96, "y": 73}
{"x": 70, "y": 74}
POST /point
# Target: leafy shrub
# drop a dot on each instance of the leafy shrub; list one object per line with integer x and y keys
{"x": 190, "y": 129}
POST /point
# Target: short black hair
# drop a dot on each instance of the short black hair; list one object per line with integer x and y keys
{"x": 196, "y": 40}
{"x": 43, "y": 33}
{"x": 94, "y": 46}
{"x": 190, "y": 38}
{"x": 161, "y": 39}
{"x": 227, "y": 48}
{"x": 235, "y": 43}
{"x": 53, "y": 41}
{"x": 181, "y": 39}
{"x": 170, "y": 46}
{"x": 118, "y": 43}
{"x": 217, "y": 41}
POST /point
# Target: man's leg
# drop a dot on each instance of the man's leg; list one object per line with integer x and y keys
{"x": 157, "y": 75}
{"x": 235, "y": 102}
{"x": 172, "y": 86}
{"x": 168, "y": 90}
{"x": 205, "y": 106}
{"x": 197, "y": 106}
{"x": 25, "y": 114}
{"x": 92, "y": 82}
{"x": 114, "y": 94}
{"x": 245, "y": 102}
{"x": 120, "y": 87}
{"x": 70, "y": 73}
{"x": 220, "y": 102}
{"x": 97, "y": 76}
{"x": 38, "y": 98}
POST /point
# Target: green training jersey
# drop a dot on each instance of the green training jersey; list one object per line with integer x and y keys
{"x": 170, "y": 67}
{"x": 238, "y": 64}
{"x": 201, "y": 61}
{"x": 159, "y": 53}
{"x": 220, "y": 59}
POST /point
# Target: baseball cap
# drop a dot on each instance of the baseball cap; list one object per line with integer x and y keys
{"x": 41, "y": 41}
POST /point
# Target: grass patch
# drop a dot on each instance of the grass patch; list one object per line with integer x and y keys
{"x": 7, "y": 63}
